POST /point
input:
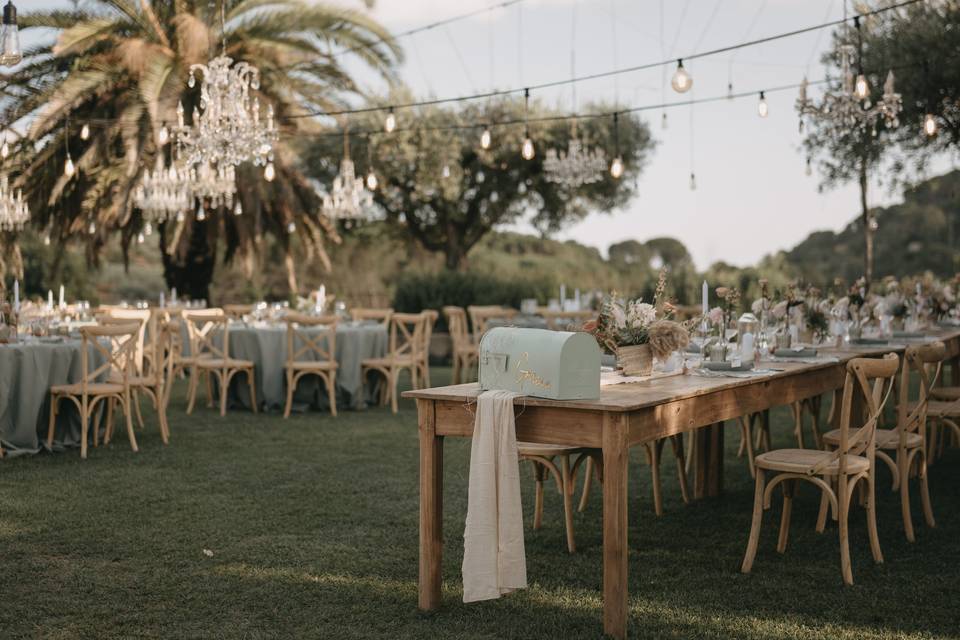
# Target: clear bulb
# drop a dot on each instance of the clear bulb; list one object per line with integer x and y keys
{"x": 527, "y": 150}
{"x": 92, "y": 229}
{"x": 390, "y": 123}
{"x": 140, "y": 238}
{"x": 10, "y": 52}
{"x": 163, "y": 136}
{"x": 237, "y": 209}
{"x": 485, "y": 138}
{"x": 861, "y": 89}
{"x": 809, "y": 169}
{"x": 693, "y": 181}
{"x": 201, "y": 214}
{"x": 681, "y": 81}
{"x": 291, "y": 228}
{"x": 46, "y": 239}
{"x": 68, "y": 168}
{"x": 616, "y": 168}
{"x": 85, "y": 132}
{"x": 445, "y": 172}
{"x": 269, "y": 172}
{"x": 371, "y": 181}
{"x": 929, "y": 125}
{"x": 762, "y": 109}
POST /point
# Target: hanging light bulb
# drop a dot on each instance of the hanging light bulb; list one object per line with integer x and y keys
{"x": 527, "y": 150}
{"x": 85, "y": 132}
{"x": 929, "y": 125}
{"x": 445, "y": 172}
{"x": 809, "y": 168}
{"x": 762, "y": 107}
{"x": 291, "y": 228}
{"x": 391, "y": 122}
{"x": 269, "y": 173}
{"x": 201, "y": 214}
{"x": 371, "y": 180}
{"x": 485, "y": 138}
{"x": 663, "y": 120}
{"x": 693, "y": 181}
{"x": 729, "y": 91}
{"x": 92, "y": 229}
{"x": 681, "y": 81}
{"x": 46, "y": 239}
{"x": 140, "y": 238}
{"x": 616, "y": 167}
{"x": 68, "y": 168}
{"x": 10, "y": 52}
{"x": 237, "y": 208}
{"x": 861, "y": 88}
{"x": 163, "y": 136}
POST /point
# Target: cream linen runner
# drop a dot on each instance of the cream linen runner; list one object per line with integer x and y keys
{"x": 494, "y": 562}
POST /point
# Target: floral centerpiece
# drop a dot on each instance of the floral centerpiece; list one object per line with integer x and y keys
{"x": 637, "y": 331}
{"x": 721, "y": 318}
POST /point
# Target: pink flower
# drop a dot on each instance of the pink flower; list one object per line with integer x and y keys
{"x": 715, "y": 316}
{"x": 779, "y": 310}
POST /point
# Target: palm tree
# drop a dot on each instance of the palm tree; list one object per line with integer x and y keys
{"x": 120, "y": 67}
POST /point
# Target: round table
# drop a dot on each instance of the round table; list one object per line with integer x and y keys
{"x": 266, "y": 347}
{"x": 27, "y": 371}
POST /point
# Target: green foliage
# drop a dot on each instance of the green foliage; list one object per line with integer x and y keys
{"x": 45, "y": 268}
{"x": 418, "y": 291}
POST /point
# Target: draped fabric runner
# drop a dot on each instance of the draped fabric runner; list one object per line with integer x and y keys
{"x": 494, "y": 561}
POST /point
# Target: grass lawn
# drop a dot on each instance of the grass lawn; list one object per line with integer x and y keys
{"x": 312, "y": 523}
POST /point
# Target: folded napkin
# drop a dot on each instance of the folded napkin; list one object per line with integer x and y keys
{"x": 789, "y": 352}
{"x": 494, "y": 561}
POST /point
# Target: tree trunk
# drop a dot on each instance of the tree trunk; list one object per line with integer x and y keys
{"x": 190, "y": 270}
{"x": 867, "y": 228}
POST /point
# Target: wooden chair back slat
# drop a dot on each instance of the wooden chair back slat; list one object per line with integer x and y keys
{"x": 118, "y": 354}
{"x": 146, "y": 337}
{"x": 382, "y": 316}
{"x": 202, "y": 328}
{"x": 481, "y": 315}
{"x": 321, "y": 345}
{"x": 407, "y": 334}
{"x": 457, "y": 326}
{"x": 925, "y": 361}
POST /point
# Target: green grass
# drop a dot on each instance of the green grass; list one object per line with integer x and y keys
{"x": 313, "y": 526}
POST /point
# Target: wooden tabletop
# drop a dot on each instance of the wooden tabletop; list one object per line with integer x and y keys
{"x": 634, "y": 396}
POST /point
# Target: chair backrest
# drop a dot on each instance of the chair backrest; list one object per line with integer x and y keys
{"x": 320, "y": 344}
{"x": 871, "y": 379}
{"x": 480, "y": 317}
{"x": 380, "y": 315}
{"x": 203, "y": 325}
{"x": 237, "y": 311}
{"x": 562, "y": 320}
{"x": 429, "y": 320}
{"x": 407, "y": 334}
{"x": 148, "y": 329}
{"x": 925, "y": 361}
{"x": 119, "y": 353}
{"x": 457, "y": 326}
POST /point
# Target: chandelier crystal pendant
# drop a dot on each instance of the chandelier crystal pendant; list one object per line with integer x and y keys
{"x": 215, "y": 183}
{"x": 14, "y": 212}
{"x": 578, "y": 166}
{"x": 348, "y": 198}
{"x": 162, "y": 193}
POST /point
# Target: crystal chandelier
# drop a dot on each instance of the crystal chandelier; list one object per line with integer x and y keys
{"x": 14, "y": 212}
{"x": 348, "y": 198}
{"x": 217, "y": 184}
{"x": 163, "y": 193}
{"x": 226, "y": 128}
{"x": 850, "y": 107}
{"x": 577, "y": 166}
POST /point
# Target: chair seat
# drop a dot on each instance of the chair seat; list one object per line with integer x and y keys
{"x": 94, "y": 389}
{"x": 802, "y": 460}
{"x": 946, "y": 393}
{"x": 387, "y": 362}
{"x": 318, "y": 365}
{"x": 886, "y": 438}
{"x": 546, "y": 450}
{"x": 939, "y": 408}
{"x": 135, "y": 381}
{"x": 223, "y": 363}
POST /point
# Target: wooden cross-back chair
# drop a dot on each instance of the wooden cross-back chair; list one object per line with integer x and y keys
{"x": 481, "y": 315}
{"x": 237, "y": 311}
{"x": 944, "y": 413}
{"x": 908, "y": 438}
{"x": 151, "y": 375}
{"x": 381, "y": 316}
{"x": 108, "y": 383}
{"x": 836, "y": 473}
{"x": 406, "y": 344}
{"x": 465, "y": 352}
{"x": 430, "y": 320}
{"x": 320, "y": 346}
{"x": 210, "y": 358}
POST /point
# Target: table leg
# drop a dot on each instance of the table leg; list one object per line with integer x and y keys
{"x": 955, "y": 372}
{"x": 431, "y": 506}
{"x": 615, "y": 458}
{"x": 708, "y": 470}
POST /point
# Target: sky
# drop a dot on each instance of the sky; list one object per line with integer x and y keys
{"x": 752, "y": 196}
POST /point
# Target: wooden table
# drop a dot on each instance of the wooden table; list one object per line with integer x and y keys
{"x": 624, "y": 415}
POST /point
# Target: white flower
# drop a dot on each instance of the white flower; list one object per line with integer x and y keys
{"x": 641, "y": 314}
{"x": 757, "y": 306}
{"x": 619, "y": 317}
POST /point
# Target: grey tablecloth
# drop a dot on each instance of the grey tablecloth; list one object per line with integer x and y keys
{"x": 27, "y": 371}
{"x": 266, "y": 347}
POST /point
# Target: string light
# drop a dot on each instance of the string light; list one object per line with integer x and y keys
{"x": 693, "y": 181}
{"x": 762, "y": 108}
{"x": 163, "y": 136}
{"x": 391, "y": 122}
{"x": 46, "y": 239}
{"x": 92, "y": 229}
{"x": 237, "y": 208}
{"x": 445, "y": 172}
{"x": 681, "y": 81}
{"x": 269, "y": 172}
{"x": 10, "y": 52}
{"x": 526, "y": 150}
{"x": 68, "y": 168}
{"x": 371, "y": 180}
{"x": 291, "y": 228}
{"x": 616, "y": 167}
{"x": 85, "y": 132}
{"x": 201, "y": 214}
{"x": 809, "y": 168}
{"x": 930, "y": 125}
{"x": 485, "y": 138}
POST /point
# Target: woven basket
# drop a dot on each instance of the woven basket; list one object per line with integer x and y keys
{"x": 635, "y": 360}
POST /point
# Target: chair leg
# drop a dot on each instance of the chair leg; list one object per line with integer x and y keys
{"x": 568, "y": 502}
{"x": 52, "y": 424}
{"x": 905, "y": 496}
{"x": 925, "y": 490}
{"x": 290, "y": 389}
{"x": 755, "y": 524}
{"x": 224, "y": 380}
{"x": 844, "y": 496}
{"x": 192, "y": 389}
{"x": 788, "y": 489}
{"x": 677, "y": 443}
{"x": 394, "y": 380}
{"x": 252, "y": 380}
{"x": 455, "y": 379}
{"x": 587, "y": 481}
{"x": 332, "y": 393}
{"x": 538, "y": 473}
{"x": 108, "y": 433}
{"x": 654, "y": 452}
{"x": 814, "y": 406}
{"x": 798, "y": 422}
{"x": 209, "y": 384}
{"x": 84, "y": 431}
{"x": 162, "y": 414}
{"x": 136, "y": 406}
{"x": 128, "y": 414}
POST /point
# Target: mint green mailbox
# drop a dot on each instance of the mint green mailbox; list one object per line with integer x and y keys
{"x": 560, "y": 365}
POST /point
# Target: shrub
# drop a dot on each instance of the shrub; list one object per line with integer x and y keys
{"x": 418, "y": 291}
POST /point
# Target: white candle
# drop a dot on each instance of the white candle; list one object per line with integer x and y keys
{"x": 576, "y": 299}
{"x": 16, "y": 296}
{"x": 563, "y": 294}
{"x": 173, "y": 295}
{"x": 321, "y": 298}
{"x": 703, "y": 298}
{"x": 50, "y": 298}
{"x": 62, "y": 302}
{"x": 746, "y": 346}
{"x": 163, "y": 300}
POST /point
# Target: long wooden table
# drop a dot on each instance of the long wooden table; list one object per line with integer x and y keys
{"x": 624, "y": 415}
